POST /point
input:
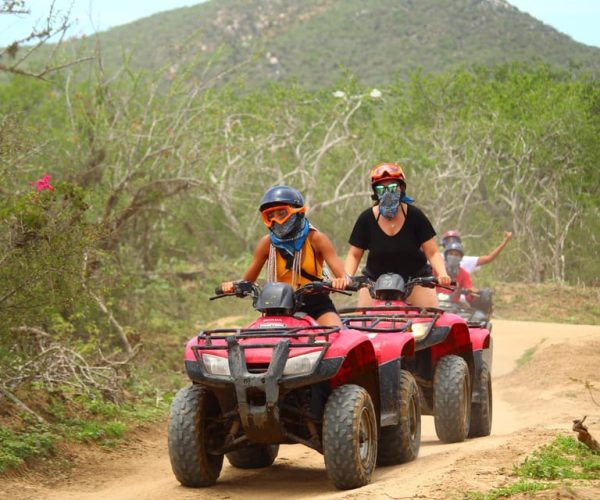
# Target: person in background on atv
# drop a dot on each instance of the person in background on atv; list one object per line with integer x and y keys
{"x": 294, "y": 252}
{"x": 472, "y": 263}
{"x": 453, "y": 254}
{"x": 398, "y": 236}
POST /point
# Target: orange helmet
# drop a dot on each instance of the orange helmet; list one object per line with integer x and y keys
{"x": 386, "y": 172}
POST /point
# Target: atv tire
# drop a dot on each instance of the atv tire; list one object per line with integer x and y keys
{"x": 349, "y": 437}
{"x": 253, "y": 456}
{"x": 192, "y": 433}
{"x": 481, "y": 411}
{"x": 451, "y": 399}
{"x": 400, "y": 443}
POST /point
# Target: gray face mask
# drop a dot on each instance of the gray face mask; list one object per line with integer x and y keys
{"x": 389, "y": 203}
{"x": 289, "y": 229}
{"x": 452, "y": 264}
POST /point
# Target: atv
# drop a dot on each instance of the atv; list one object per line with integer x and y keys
{"x": 286, "y": 379}
{"x": 477, "y": 312}
{"x": 451, "y": 362}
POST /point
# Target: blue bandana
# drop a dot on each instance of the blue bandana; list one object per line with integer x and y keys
{"x": 293, "y": 244}
{"x": 407, "y": 199}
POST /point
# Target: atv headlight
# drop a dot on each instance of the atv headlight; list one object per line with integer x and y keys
{"x": 419, "y": 330}
{"x": 216, "y": 365}
{"x": 302, "y": 365}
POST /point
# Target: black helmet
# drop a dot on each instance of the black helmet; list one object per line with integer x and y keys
{"x": 454, "y": 245}
{"x": 281, "y": 195}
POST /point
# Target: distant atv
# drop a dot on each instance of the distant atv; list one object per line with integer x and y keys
{"x": 478, "y": 312}
{"x": 452, "y": 360}
{"x": 286, "y": 379}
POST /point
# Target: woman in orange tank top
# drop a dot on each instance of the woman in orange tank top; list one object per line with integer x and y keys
{"x": 294, "y": 252}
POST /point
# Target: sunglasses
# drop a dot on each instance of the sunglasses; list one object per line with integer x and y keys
{"x": 386, "y": 170}
{"x": 392, "y": 187}
{"x": 279, "y": 214}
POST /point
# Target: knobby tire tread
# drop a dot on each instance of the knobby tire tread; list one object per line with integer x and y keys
{"x": 396, "y": 444}
{"x": 191, "y": 463}
{"x": 451, "y": 409}
{"x": 340, "y": 437}
{"x": 481, "y": 412}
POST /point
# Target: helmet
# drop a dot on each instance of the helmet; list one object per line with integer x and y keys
{"x": 451, "y": 236}
{"x": 454, "y": 245}
{"x": 387, "y": 172}
{"x": 281, "y": 195}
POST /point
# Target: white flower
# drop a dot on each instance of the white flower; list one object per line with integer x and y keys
{"x": 339, "y": 93}
{"x": 375, "y": 93}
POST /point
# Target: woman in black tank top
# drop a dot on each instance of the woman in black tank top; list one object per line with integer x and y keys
{"x": 398, "y": 237}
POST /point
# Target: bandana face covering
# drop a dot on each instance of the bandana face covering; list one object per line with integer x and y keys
{"x": 293, "y": 242}
{"x": 389, "y": 203}
{"x": 289, "y": 228}
{"x": 452, "y": 265}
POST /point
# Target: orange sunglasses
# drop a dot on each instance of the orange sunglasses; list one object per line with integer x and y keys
{"x": 279, "y": 214}
{"x": 386, "y": 171}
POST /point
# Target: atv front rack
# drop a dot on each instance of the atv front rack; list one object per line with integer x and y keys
{"x": 413, "y": 311}
{"x": 370, "y": 319}
{"x": 230, "y": 335}
{"x": 370, "y": 322}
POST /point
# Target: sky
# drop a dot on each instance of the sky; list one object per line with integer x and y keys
{"x": 580, "y": 19}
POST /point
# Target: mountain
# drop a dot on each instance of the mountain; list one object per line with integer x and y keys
{"x": 314, "y": 41}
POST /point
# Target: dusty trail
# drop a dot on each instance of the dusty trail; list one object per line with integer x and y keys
{"x": 531, "y": 404}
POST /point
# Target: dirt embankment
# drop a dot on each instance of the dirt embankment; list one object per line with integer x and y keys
{"x": 532, "y": 403}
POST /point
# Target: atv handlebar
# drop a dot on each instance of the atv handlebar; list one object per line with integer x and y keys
{"x": 244, "y": 288}
{"x": 241, "y": 288}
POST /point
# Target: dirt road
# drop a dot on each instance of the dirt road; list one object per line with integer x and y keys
{"x": 531, "y": 404}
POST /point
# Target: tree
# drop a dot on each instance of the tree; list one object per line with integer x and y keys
{"x": 14, "y": 57}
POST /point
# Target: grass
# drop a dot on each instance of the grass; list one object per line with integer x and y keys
{"x": 16, "y": 447}
{"x": 76, "y": 418}
{"x": 548, "y": 302}
{"x": 520, "y": 486}
{"x": 528, "y": 354}
{"x": 563, "y": 458}
{"x": 552, "y": 465}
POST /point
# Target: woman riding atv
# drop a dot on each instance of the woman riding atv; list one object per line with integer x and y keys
{"x": 480, "y": 300}
{"x": 472, "y": 263}
{"x": 398, "y": 236}
{"x": 453, "y": 254}
{"x": 294, "y": 252}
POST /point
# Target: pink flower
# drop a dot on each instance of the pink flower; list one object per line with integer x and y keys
{"x": 43, "y": 183}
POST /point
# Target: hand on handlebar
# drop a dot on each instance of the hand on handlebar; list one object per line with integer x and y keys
{"x": 444, "y": 280}
{"x": 227, "y": 287}
{"x": 340, "y": 283}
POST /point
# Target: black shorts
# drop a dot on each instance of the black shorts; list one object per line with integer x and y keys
{"x": 317, "y": 304}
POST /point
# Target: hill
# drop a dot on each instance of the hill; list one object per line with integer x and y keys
{"x": 313, "y": 41}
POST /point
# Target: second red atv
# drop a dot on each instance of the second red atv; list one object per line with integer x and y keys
{"x": 451, "y": 362}
{"x": 286, "y": 379}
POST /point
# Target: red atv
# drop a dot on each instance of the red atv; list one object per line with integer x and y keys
{"x": 451, "y": 362}
{"x": 474, "y": 306}
{"x": 286, "y": 379}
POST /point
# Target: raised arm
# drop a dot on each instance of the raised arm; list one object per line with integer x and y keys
{"x": 486, "y": 259}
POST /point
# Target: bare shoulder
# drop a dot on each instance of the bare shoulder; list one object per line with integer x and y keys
{"x": 263, "y": 245}
{"x": 318, "y": 238}
{"x": 320, "y": 242}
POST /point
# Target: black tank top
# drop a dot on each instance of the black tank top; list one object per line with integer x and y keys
{"x": 400, "y": 253}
